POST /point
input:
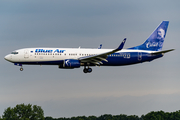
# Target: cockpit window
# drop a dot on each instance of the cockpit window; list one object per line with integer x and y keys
{"x": 14, "y": 53}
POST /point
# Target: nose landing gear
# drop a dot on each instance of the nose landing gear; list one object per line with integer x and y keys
{"x": 21, "y": 69}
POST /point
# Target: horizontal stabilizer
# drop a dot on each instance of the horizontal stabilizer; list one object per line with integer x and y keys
{"x": 162, "y": 52}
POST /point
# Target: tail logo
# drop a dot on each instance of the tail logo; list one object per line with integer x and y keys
{"x": 160, "y": 34}
{"x": 159, "y": 39}
{"x": 149, "y": 44}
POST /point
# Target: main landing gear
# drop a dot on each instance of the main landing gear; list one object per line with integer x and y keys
{"x": 87, "y": 70}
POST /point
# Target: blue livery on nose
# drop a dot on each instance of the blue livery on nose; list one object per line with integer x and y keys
{"x": 156, "y": 39}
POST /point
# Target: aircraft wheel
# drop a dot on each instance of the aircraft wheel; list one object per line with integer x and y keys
{"x": 89, "y": 70}
{"x": 85, "y": 70}
{"x": 21, "y": 69}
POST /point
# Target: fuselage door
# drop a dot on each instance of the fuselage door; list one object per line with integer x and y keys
{"x": 139, "y": 56}
{"x": 26, "y": 53}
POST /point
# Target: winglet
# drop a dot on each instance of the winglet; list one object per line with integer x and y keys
{"x": 121, "y": 45}
{"x": 100, "y": 46}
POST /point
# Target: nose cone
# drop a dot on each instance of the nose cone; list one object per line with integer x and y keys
{"x": 8, "y": 57}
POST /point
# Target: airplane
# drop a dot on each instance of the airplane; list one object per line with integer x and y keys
{"x": 70, "y": 58}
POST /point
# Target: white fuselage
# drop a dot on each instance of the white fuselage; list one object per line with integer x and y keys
{"x": 28, "y": 55}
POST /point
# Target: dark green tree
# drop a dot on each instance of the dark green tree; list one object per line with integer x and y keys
{"x": 92, "y": 118}
{"x": 49, "y": 118}
{"x": 158, "y": 115}
{"x": 24, "y": 112}
{"x": 1, "y": 118}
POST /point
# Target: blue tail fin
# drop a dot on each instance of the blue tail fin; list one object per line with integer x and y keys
{"x": 156, "y": 39}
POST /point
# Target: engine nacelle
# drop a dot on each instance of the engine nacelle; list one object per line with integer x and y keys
{"x": 70, "y": 63}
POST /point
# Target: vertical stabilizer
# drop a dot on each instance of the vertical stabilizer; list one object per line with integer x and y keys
{"x": 156, "y": 39}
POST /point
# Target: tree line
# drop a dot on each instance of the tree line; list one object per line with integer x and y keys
{"x": 34, "y": 112}
{"x": 158, "y": 115}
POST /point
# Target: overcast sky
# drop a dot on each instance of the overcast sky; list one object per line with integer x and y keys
{"x": 132, "y": 90}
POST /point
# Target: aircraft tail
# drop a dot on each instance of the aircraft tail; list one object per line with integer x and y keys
{"x": 156, "y": 39}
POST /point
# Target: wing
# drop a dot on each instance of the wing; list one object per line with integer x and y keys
{"x": 96, "y": 59}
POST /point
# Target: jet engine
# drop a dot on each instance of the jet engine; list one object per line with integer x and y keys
{"x": 70, "y": 63}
